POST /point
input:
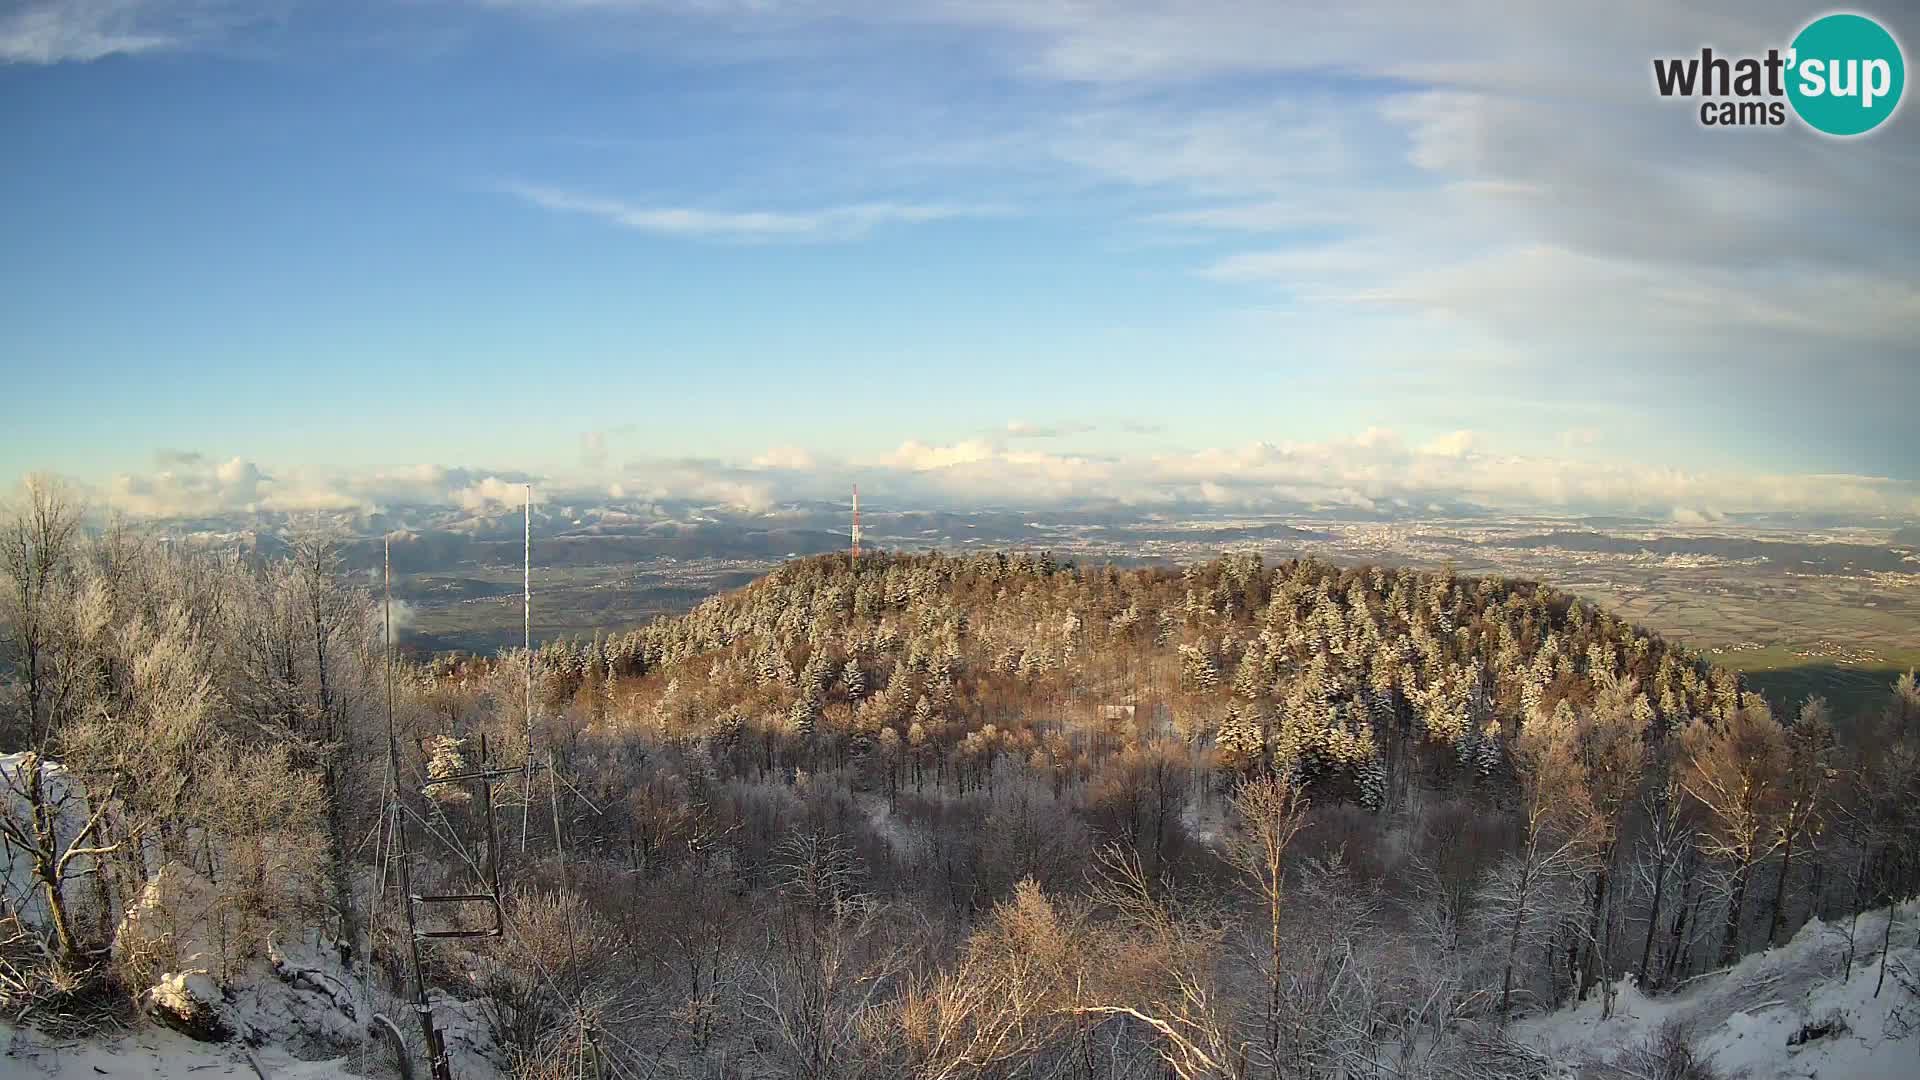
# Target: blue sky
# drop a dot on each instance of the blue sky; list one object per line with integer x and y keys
{"x": 1017, "y": 251}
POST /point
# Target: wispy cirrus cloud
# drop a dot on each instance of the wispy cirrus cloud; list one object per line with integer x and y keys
{"x": 1024, "y": 429}
{"x": 1220, "y": 150}
{"x": 821, "y": 223}
{"x": 49, "y": 33}
{"x": 80, "y": 31}
{"x": 1274, "y": 215}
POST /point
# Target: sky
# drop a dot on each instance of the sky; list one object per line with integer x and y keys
{"x": 286, "y": 254}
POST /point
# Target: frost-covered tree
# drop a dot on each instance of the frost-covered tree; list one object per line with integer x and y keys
{"x": 1611, "y": 741}
{"x": 1804, "y": 797}
{"x": 1733, "y": 768}
{"x": 1242, "y": 738}
{"x": 1197, "y": 671}
{"x": 1524, "y": 893}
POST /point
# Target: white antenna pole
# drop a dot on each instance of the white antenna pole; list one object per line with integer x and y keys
{"x": 527, "y": 613}
{"x": 527, "y": 608}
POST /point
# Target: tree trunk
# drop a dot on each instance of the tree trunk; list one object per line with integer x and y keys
{"x": 1513, "y": 947}
{"x": 1853, "y": 922}
{"x": 1591, "y": 963}
{"x": 1688, "y": 910}
{"x": 57, "y": 910}
{"x": 45, "y": 858}
{"x": 1780, "y": 893}
{"x": 1886, "y": 946}
{"x": 1736, "y": 904}
{"x": 337, "y": 869}
{"x": 1653, "y": 920}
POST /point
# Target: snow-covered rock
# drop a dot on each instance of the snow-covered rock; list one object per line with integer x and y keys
{"x": 173, "y": 922}
{"x": 68, "y": 798}
{"x": 298, "y": 995}
{"x": 170, "y": 930}
{"x": 189, "y": 1003}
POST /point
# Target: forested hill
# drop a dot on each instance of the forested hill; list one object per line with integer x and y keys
{"x": 1346, "y": 671}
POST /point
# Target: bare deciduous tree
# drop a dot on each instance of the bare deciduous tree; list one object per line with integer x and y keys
{"x": 1271, "y": 811}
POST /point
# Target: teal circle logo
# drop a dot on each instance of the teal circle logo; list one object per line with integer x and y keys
{"x": 1845, "y": 74}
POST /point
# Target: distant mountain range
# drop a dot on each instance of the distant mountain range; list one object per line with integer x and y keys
{"x": 444, "y": 540}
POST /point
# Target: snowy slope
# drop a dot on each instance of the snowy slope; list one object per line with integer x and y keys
{"x": 1742, "y": 1018}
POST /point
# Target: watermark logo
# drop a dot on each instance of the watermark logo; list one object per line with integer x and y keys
{"x": 1843, "y": 74}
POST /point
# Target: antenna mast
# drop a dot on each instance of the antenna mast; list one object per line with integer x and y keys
{"x": 856, "y": 523}
{"x": 526, "y": 807}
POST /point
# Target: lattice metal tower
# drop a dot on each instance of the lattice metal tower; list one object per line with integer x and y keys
{"x": 856, "y": 523}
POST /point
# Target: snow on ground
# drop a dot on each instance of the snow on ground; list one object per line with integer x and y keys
{"x": 150, "y": 1051}
{"x": 903, "y": 838}
{"x": 292, "y": 1024}
{"x": 1742, "y": 1018}
{"x": 884, "y": 824}
{"x": 296, "y": 1015}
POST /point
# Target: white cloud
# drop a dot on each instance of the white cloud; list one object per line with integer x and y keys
{"x": 493, "y": 492}
{"x": 917, "y": 456}
{"x": 1456, "y": 444}
{"x": 700, "y": 480}
{"x": 1372, "y": 468}
{"x": 187, "y": 484}
{"x": 1369, "y": 469}
{"x": 785, "y": 457}
{"x": 833, "y": 222}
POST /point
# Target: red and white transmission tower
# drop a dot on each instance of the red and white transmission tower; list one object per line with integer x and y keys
{"x": 856, "y": 523}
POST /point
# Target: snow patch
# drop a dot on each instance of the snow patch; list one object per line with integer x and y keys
{"x": 1206, "y": 824}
